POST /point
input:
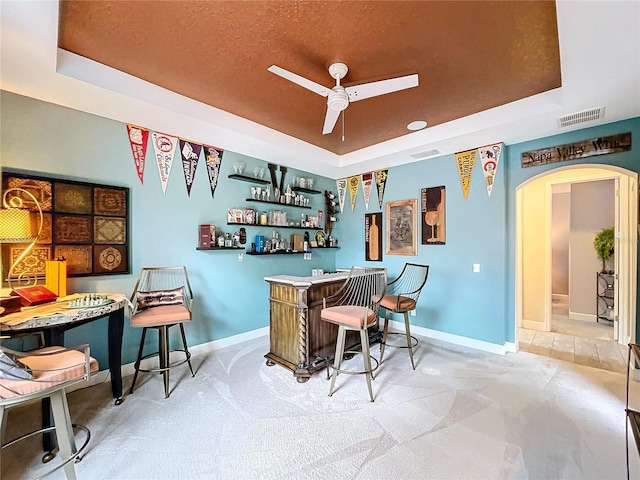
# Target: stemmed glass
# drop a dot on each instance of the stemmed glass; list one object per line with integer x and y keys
{"x": 432, "y": 218}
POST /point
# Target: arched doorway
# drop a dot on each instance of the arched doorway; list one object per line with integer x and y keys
{"x": 533, "y": 245}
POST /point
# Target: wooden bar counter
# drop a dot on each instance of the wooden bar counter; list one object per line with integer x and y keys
{"x": 299, "y": 340}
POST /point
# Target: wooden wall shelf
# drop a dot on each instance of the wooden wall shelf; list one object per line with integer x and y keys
{"x": 246, "y": 178}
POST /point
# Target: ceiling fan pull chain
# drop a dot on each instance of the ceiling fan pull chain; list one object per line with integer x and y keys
{"x": 343, "y": 125}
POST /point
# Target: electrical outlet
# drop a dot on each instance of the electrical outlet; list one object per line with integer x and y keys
{"x": 413, "y": 312}
{"x": 476, "y": 268}
{"x": 240, "y": 257}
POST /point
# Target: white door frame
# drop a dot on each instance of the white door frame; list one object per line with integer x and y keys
{"x": 626, "y": 244}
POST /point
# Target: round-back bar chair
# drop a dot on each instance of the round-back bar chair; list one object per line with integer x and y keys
{"x": 355, "y": 307}
{"x": 162, "y": 298}
{"x": 401, "y": 297}
{"x": 46, "y": 373}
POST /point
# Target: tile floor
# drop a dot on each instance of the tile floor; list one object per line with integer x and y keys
{"x": 576, "y": 341}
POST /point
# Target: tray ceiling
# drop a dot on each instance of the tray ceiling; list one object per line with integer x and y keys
{"x": 470, "y": 57}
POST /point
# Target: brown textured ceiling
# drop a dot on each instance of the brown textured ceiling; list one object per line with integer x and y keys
{"x": 470, "y": 56}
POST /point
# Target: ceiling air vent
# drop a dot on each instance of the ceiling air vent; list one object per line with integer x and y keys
{"x": 581, "y": 117}
{"x": 425, "y": 154}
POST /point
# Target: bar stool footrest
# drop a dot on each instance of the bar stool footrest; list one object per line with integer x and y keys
{"x": 414, "y": 342}
{"x": 160, "y": 370}
{"x": 357, "y": 372}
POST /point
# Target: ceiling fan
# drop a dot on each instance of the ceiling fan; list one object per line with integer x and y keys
{"x": 339, "y": 97}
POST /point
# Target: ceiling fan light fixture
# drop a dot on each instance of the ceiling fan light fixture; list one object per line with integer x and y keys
{"x": 338, "y": 100}
{"x": 417, "y": 125}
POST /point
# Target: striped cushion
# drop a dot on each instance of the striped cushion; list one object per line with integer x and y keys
{"x": 157, "y": 298}
{"x": 164, "y": 315}
{"x": 390, "y": 302}
{"x": 349, "y": 315}
{"x": 48, "y": 371}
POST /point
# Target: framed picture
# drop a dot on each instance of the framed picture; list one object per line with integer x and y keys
{"x": 85, "y": 223}
{"x": 402, "y": 227}
{"x": 373, "y": 237}
{"x": 433, "y": 215}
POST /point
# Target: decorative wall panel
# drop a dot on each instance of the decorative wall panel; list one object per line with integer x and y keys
{"x": 85, "y": 223}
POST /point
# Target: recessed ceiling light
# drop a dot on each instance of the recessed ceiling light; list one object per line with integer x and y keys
{"x": 417, "y": 125}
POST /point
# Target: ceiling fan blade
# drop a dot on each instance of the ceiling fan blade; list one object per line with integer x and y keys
{"x": 303, "y": 82}
{"x": 373, "y": 89}
{"x": 330, "y": 120}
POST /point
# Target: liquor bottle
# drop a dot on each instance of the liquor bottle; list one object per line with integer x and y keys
{"x": 305, "y": 245}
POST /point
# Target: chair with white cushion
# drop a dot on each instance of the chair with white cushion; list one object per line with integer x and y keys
{"x": 40, "y": 374}
{"x": 162, "y": 298}
{"x": 402, "y": 297}
{"x": 355, "y": 307}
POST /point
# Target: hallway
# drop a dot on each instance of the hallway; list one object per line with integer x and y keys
{"x": 576, "y": 341}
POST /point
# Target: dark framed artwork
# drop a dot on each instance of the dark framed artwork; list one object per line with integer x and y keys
{"x": 402, "y": 227}
{"x": 373, "y": 237}
{"x": 433, "y": 215}
{"x": 87, "y": 224}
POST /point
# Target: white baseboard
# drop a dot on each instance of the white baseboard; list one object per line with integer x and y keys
{"x": 585, "y": 317}
{"x": 457, "y": 339}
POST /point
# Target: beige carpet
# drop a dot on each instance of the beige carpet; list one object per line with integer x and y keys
{"x": 461, "y": 414}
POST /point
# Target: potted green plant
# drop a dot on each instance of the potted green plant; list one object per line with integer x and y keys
{"x": 604, "y": 243}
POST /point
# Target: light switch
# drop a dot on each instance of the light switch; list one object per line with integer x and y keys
{"x": 476, "y": 268}
{"x": 240, "y": 257}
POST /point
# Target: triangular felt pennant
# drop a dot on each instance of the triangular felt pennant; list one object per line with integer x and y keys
{"x": 367, "y": 182}
{"x": 353, "y": 190}
{"x": 165, "y": 148}
{"x": 213, "y": 159}
{"x": 489, "y": 158}
{"x": 138, "y": 139}
{"x": 466, "y": 161}
{"x": 190, "y": 154}
{"x": 341, "y": 185}
{"x": 381, "y": 181}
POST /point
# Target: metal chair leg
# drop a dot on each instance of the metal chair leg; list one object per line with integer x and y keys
{"x": 163, "y": 354}
{"x": 409, "y": 343}
{"x": 64, "y": 431}
{"x": 186, "y": 349}
{"x": 385, "y": 333}
{"x": 337, "y": 361}
{"x": 366, "y": 358}
{"x": 137, "y": 364}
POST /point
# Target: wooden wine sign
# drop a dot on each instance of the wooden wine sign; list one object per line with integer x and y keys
{"x": 572, "y": 151}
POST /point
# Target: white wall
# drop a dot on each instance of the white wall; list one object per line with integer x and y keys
{"x": 561, "y": 202}
{"x": 592, "y": 209}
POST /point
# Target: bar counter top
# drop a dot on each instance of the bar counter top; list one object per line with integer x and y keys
{"x": 310, "y": 280}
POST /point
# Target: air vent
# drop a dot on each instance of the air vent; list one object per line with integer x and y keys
{"x": 581, "y": 117}
{"x": 425, "y": 154}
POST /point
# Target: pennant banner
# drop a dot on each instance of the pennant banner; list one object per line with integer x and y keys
{"x": 213, "y": 159}
{"x": 466, "y": 161}
{"x": 367, "y": 182}
{"x": 489, "y": 157}
{"x": 353, "y": 190}
{"x": 165, "y": 148}
{"x": 341, "y": 185}
{"x": 138, "y": 139}
{"x": 381, "y": 181}
{"x": 190, "y": 154}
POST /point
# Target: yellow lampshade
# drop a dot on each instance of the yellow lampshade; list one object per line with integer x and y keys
{"x": 17, "y": 226}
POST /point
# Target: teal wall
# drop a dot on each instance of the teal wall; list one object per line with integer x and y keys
{"x": 455, "y": 300}
{"x": 232, "y": 296}
{"x": 480, "y": 230}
